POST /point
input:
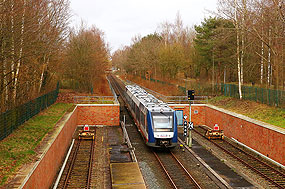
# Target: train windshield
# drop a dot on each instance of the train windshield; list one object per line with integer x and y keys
{"x": 162, "y": 121}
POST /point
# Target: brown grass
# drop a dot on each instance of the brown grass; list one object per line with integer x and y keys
{"x": 262, "y": 112}
{"x": 164, "y": 89}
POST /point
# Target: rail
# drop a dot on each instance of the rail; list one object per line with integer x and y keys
{"x": 90, "y": 164}
{"x": 211, "y": 173}
{"x": 173, "y": 178}
{"x": 126, "y": 137}
{"x": 79, "y": 170}
{"x": 71, "y": 165}
{"x": 270, "y": 175}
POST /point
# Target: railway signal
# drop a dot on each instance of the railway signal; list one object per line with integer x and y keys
{"x": 190, "y": 125}
{"x": 191, "y": 94}
{"x": 185, "y": 128}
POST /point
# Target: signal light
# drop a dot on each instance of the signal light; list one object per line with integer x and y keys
{"x": 185, "y": 128}
{"x": 191, "y": 94}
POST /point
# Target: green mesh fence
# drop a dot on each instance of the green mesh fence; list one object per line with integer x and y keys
{"x": 266, "y": 96}
{"x": 13, "y": 118}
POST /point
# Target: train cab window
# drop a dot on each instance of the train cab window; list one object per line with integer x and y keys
{"x": 179, "y": 115}
{"x": 162, "y": 121}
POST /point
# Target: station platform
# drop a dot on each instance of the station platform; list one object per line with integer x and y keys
{"x": 126, "y": 175}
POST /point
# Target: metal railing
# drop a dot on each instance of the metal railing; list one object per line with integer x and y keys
{"x": 173, "y": 99}
{"x": 94, "y": 100}
{"x": 12, "y": 119}
{"x": 113, "y": 91}
{"x": 184, "y": 99}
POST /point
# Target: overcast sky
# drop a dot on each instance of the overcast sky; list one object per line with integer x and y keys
{"x": 121, "y": 20}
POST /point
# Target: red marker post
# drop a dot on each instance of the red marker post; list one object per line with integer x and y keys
{"x": 86, "y": 128}
{"x": 216, "y": 127}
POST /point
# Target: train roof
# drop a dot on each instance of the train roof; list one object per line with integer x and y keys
{"x": 148, "y": 100}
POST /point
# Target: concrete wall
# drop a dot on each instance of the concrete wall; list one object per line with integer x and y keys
{"x": 46, "y": 168}
{"x": 99, "y": 114}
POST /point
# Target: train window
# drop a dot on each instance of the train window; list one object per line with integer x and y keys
{"x": 162, "y": 120}
{"x": 137, "y": 113}
{"x": 142, "y": 119}
{"x": 146, "y": 126}
{"x": 179, "y": 115}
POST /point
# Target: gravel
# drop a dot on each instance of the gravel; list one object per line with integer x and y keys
{"x": 238, "y": 167}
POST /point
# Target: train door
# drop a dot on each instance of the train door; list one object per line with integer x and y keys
{"x": 179, "y": 116}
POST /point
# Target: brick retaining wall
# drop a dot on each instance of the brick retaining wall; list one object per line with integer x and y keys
{"x": 44, "y": 173}
{"x": 267, "y": 139}
{"x": 262, "y": 137}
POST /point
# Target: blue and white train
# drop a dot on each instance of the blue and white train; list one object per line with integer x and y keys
{"x": 155, "y": 120}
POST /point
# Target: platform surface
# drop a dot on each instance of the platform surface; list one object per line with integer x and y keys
{"x": 126, "y": 175}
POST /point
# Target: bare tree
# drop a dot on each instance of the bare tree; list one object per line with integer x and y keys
{"x": 32, "y": 34}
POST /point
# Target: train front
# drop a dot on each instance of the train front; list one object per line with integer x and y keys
{"x": 163, "y": 130}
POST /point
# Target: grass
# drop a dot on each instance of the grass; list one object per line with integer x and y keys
{"x": 268, "y": 114}
{"x": 19, "y": 147}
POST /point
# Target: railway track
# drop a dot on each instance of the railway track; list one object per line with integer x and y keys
{"x": 78, "y": 172}
{"x": 175, "y": 171}
{"x": 117, "y": 85}
{"x": 273, "y": 175}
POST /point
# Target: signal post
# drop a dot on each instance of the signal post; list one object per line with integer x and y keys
{"x": 190, "y": 124}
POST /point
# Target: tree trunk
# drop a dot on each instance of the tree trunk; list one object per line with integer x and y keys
{"x": 269, "y": 60}
{"x": 5, "y": 71}
{"x": 225, "y": 71}
{"x": 262, "y": 55}
{"x": 261, "y": 63}
{"x": 238, "y": 51}
{"x": 21, "y": 50}
{"x": 13, "y": 49}
{"x": 213, "y": 73}
{"x": 242, "y": 40}
{"x": 42, "y": 77}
